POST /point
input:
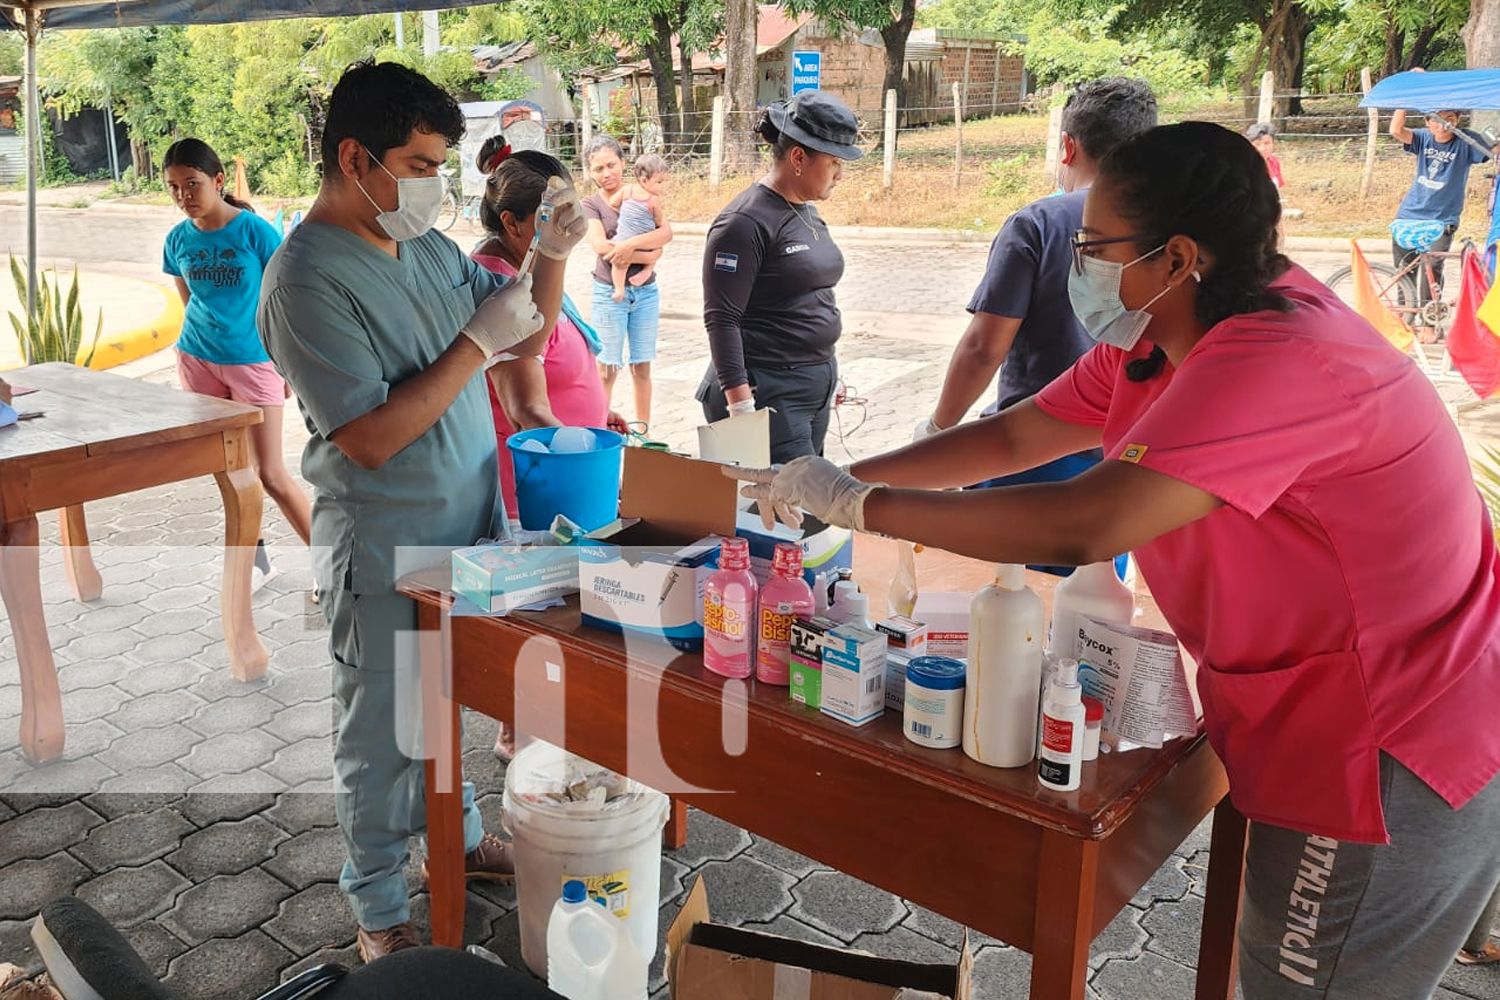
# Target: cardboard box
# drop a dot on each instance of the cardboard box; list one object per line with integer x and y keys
{"x": 853, "y": 675}
{"x": 946, "y": 615}
{"x": 499, "y": 578}
{"x": 805, "y": 670}
{"x": 644, "y": 573}
{"x": 825, "y": 548}
{"x": 708, "y": 961}
{"x": 895, "y": 679}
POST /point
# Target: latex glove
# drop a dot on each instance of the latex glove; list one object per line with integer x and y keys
{"x": 557, "y": 237}
{"x": 815, "y": 485}
{"x": 504, "y": 319}
{"x": 926, "y": 429}
{"x": 742, "y": 407}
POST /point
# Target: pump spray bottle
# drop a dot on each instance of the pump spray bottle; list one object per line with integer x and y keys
{"x": 1060, "y": 764}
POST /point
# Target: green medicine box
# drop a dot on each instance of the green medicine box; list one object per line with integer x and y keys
{"x": 806, "y": 666}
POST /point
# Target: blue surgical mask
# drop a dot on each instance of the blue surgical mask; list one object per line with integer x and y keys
{"x": 1095, "y": 295}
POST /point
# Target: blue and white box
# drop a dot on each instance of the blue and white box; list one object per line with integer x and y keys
{"x": 854, "y": 674}
{"x": 498, "y": 578}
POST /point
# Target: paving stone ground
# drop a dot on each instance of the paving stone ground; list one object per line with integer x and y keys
{"x": 195, "y": 811}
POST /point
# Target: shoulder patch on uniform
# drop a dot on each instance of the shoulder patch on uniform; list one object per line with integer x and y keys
{"x": 1133, "y": 453}
{"x": 726, "y": 262}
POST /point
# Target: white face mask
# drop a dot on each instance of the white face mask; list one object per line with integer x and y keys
{"x": 419, "y": 200}
{"x": 1095, "y": 295}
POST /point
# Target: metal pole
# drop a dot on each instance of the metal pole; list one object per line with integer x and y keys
{"x": 109, "y": 132}
{"x": 400, "y": 32}
{"x": 33, "y": 158}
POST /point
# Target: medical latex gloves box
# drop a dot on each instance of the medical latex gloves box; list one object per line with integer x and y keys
{"x": 644, "y": 573}
{"x": 498, "y": 578}
{"x": 709, "y": 961}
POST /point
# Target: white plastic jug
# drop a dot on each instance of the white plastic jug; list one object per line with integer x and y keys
{"x": 590, "y": 955}
{"x": 1004, "y": 677}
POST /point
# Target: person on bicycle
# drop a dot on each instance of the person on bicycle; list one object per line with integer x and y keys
{"x": 1428, "y": 216}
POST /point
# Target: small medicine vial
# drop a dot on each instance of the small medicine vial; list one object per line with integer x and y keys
{"x": 1093, "y": 725}
{"x": 933, "y": 715}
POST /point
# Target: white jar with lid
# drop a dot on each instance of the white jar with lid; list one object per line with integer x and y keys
{"x": 933, "y": 715}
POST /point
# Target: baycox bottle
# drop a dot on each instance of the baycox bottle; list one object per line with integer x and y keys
{"x": 1006, "y": 626}
{"x": 1060, "y": 762}
{"x": 590, "y": 954}
{"x": 1092, "y": 591}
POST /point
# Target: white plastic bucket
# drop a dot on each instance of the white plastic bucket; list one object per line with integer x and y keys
{"x": 614, "y": 848}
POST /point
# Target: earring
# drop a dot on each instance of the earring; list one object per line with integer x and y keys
{"x": 798, "y": 171}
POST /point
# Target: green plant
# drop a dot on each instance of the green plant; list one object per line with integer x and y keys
{"x": 1008, "y": 175}
{"x": 289, "y": 176}
{"x": 53, "y": 331}
{"x": 1486, "y": 463}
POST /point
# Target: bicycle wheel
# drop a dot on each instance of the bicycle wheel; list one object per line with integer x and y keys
{"x": 448, "y": 214}
{"x": 1395, "y": 289}
{"x": 471, "y": 213}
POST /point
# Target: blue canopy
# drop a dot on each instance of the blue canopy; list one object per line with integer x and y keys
{"x": 137, "y": 13}
{"x": 1440, "y": 90}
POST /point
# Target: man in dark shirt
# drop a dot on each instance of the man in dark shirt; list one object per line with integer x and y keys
{"x": 1021, "y": 312}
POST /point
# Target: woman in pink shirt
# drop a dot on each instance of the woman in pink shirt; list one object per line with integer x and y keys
{"x": 1302, "y": 509}
{"x": 564, "y": 389}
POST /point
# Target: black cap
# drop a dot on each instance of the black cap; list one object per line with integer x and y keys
{"x": 818, "y": 120}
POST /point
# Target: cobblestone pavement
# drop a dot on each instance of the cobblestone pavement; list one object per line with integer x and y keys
{"x": 195, "y": 811}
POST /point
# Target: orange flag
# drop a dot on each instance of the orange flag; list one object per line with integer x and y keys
{"x": 1489, "y": 309}
{"x": 1474, "y": 349}
{"x": 241, "y": 182}
{"x": 1369, "y": 304}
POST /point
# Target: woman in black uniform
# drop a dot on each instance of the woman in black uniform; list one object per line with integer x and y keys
{"x": 769, "y": 268}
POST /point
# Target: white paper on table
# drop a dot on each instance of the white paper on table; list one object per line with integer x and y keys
{"x": 744, "y": 440}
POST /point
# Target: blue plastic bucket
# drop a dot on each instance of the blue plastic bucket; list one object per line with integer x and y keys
{"x": 583, "y": 486}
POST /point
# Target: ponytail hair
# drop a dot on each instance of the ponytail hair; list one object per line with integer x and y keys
{"x": 199, "y": 155}
{"x": 772, "y": 136}
{"x": 1202, "y": 181}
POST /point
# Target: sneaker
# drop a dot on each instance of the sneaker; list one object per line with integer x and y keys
{"x": 260, "y": 577}
{"x": 491, "y": 861}
{"x": 378, "y": 944}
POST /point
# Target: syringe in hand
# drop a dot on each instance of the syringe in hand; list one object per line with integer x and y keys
{"x": 543, "y": 216}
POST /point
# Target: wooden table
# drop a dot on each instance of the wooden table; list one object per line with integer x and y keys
{"x": 101, "y": 435}
{"x": 986, "y": 847}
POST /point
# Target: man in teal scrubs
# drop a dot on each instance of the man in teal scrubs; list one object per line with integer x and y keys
{"x": 383, "y": 328}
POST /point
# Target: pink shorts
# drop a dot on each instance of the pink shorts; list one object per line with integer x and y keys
{"x": 258, "y": 384}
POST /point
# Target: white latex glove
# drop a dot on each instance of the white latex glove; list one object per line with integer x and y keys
{"x": 926, "y": 429}
{"x": 815, "y": 485}
{"x": 504, "y": 319}
{"x": 557, "y": 237}
{"x": 742, "y": 407}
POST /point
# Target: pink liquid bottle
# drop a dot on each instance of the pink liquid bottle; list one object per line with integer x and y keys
{"x": 729, "y": 612}
{"x": 784, "y": 598}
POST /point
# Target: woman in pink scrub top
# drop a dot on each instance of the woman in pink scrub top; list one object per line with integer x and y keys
{"x": 1303, "y": 511}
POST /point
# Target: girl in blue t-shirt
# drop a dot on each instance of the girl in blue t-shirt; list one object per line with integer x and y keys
{"x": 217, "y": 255}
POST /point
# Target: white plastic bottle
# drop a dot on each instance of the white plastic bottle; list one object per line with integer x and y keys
{"x": 1003, "y": 683}
{"x": 1092, "y": 591}
{"x": 1060, "y": 763}
{"x": 849, "y": 606}
{"x": 590, "y": 954}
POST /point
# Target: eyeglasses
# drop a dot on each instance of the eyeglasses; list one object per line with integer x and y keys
{"x": 1080, "y": 244}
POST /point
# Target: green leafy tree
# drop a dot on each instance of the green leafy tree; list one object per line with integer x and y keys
{"x": 1075, "y": 50}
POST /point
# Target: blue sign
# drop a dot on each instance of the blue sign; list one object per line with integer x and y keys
{"x": 807, "y": 70}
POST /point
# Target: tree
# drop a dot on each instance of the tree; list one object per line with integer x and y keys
{"x": 580, "y": 33}
{"x": 1482, "y": 34}
{"x": 740, "y": 79}
{"x": 894, "y": 20}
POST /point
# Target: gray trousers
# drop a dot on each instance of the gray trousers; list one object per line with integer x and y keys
{"x": 1331, "y": 920}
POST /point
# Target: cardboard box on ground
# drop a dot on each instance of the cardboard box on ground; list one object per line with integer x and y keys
{"x": 644, "y": 574}
{"x": 709, "y": 961}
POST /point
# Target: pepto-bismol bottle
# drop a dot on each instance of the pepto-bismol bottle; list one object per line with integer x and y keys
{"x": 784, "y": 598}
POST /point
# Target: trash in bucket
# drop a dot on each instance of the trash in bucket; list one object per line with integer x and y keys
{"x": 568, "y": 819}
{"x": 575, "y": 472}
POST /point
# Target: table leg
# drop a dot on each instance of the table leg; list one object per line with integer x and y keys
{"x": 445, "y": 819}
{"x": 240, "y": 488}
{"x": 83, "y": 578}
{"x": 1218, "y": 955}
{"x": 1065, "y": 887}
{"x": 42, "y": 734}
{"x": 675, "y": 835}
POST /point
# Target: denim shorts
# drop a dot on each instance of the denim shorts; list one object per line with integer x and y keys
{"x": 635, "y": 319}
